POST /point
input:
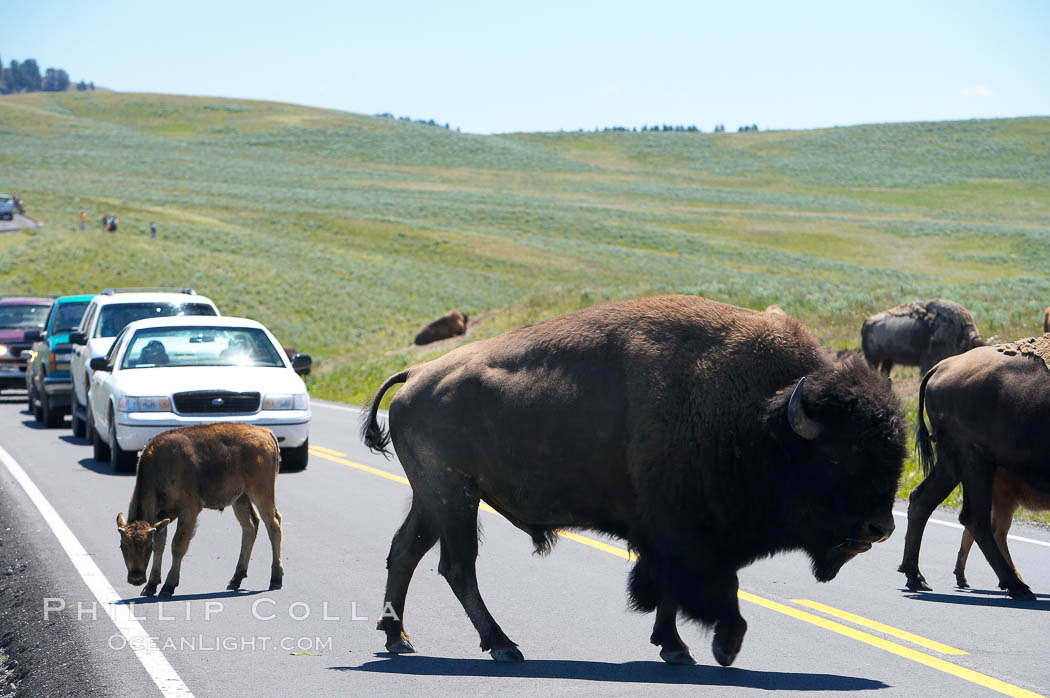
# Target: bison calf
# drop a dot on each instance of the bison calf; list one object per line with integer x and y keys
{"x": 205, "y": 466}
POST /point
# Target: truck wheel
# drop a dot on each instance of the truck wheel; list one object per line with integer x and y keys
{"x": 295, "y": 458}
{"x": 36, "y": 409}
{"x": 51, "y": 416}
{"x": 99, "y": 448}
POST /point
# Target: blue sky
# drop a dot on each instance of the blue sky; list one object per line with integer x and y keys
{"x": 497, "y": 67}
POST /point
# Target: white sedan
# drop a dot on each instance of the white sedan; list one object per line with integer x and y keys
{"x": 163, "y": 373}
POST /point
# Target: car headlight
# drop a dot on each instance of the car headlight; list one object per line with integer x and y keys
{"x": 279, "y": 401}
{"x": 157, "y": 403}
{"x": 3, "y": 350}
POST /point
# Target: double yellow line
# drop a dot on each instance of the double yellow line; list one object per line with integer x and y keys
{"x": 805, "y": 616}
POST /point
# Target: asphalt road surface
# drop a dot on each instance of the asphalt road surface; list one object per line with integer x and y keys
{"x": 862, "y": 633}
{"x": 17, "y": 223}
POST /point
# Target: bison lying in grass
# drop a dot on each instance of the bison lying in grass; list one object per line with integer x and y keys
{"x": 205, "y": 466}
{"x": 705, "y": 435}
{"x": 451, "y": 324}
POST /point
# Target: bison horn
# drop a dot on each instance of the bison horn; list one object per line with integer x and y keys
{"x": 121, "y": 523}
{"x": 801, "y": 423}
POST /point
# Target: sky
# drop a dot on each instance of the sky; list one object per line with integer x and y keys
{"x": 493, "y": 67}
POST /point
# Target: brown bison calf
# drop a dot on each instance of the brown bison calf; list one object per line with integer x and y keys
{"x": 1008, "y": 492}
{"x": 205, "y": 466}
{"x": 451, "y": 324}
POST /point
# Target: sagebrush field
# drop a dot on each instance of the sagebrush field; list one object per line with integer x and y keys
{"x": 343, "y": 233}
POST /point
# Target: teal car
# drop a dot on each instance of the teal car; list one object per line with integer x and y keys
{"x": 47, "y": 373}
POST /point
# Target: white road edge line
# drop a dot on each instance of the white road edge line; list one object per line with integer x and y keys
{"x": 896, "y": 512}
{"x": 952, "y": 524}
{"x": 153, "y": 660}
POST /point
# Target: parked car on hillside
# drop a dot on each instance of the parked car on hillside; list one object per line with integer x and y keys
{"x": 17, "y": 315}
{"x": 7, "y": 207}
{"x": 105, "y": 317}
{"x": 164, "y": 373}
{"x": 47, "y": 372}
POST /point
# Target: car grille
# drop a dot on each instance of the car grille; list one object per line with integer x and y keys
{"x": 216, "y": 402}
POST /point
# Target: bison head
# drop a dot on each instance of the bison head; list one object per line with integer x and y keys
{"x": 136, "y": 544}
{"x": 841, "y": 433}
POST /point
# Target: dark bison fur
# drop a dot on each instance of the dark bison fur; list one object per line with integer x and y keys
{"x": 706, "y": 436}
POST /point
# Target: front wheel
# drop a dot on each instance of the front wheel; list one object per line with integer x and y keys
{"x": 49, "y": 415}
{"x": 99, "y": 448}
{"x": 122, "y": 461}
{"x": 295, "y": 458}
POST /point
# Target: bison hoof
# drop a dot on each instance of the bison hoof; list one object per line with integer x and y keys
{"x": 1021, "y": 593}
{"x": 400, "y": 646}
{"x": 275, "y": 584}
{"x": 507, "y": 654}
{"x": 918, "y": 583}
{"x": 234, "y": 585}
{"x": 961, "y": 582}
{"x": 721, "y": 656}
{"x": 680, "y": 657}
{"x": 149, "y": 590}
{"x": 166, "y": 591}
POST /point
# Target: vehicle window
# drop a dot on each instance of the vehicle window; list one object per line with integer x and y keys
{"x": 23, "y": 317}
{"x": 5, "y": 199}
{"x": 89, "y": 316}
{"x": 66, "y": 317}
{"x": 200, "y": 346}
{"x": 115, "y": 316}
{"x": 114, "y": 350}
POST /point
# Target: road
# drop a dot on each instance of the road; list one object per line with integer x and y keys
{"x": 17, "y": 223}
{"x": 567, "y": 611}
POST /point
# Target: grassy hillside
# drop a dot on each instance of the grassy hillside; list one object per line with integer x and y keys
{"x": 344, "y": 232}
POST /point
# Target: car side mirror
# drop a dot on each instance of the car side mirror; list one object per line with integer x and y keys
{"x": 77, "y": 338}
{"x": 33, "y": 336}
{"x": 301, "y": 364}
{"x": 99, "y": 363}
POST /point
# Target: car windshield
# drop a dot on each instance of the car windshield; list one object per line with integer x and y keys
{"x": 67, "y": 316}
{"x": 116, "y": 315}
{"x": 5, "y": 199}
{"x": 200, "y": 346}
{"x": 23, "y": 317}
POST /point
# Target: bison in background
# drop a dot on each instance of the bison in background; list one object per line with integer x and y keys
{"x": 204, "y": 466}
{"x": 918, "y": 334}
{"x": 451, "y": 324}
{"x": 706, "y": 436}
{"x": 987, "y": 409}
{"x": 1046, "y": 320}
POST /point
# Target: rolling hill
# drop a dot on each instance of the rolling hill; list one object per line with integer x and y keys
{"x": 345, "y": 232}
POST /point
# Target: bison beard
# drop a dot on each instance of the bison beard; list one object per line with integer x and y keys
{"x": 707, "y": 436}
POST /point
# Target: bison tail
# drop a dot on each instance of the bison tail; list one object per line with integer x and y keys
{"x": 923, "y": 442}
{"x": 375, "y": 436}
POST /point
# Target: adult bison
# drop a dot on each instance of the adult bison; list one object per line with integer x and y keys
{"x": 204, "y": 466}
{"x": 451, "y": 324}
{"x": 705, "y": 435}
{"x": 918, "y": 334}
{"x": 987, "y": 409}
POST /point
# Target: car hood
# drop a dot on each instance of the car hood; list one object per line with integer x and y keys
{"x": 238, "y": 379}
{"x": 10, "y": 336}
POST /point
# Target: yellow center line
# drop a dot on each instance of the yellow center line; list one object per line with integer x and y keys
{"x": 329, "y": 451}
{"x": 882, "y": 628}
{"x": 830, "y": 625}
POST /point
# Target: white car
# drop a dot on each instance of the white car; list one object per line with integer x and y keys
{"x": 169, "y": 372}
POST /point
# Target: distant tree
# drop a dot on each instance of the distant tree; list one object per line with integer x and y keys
{"x": 14, "y": 76}
{"x": 31, "y": 80}
{"x": 81, "y": 86}
{"x": 92, "y": 85}
{"x": 50, "y": 81}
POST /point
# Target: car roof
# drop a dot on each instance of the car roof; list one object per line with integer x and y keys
{"x": 75, "y": 299}
{"x": 26, "y": 301}
{"x": 195, "y": 321}
{"x": 151, "y": 297}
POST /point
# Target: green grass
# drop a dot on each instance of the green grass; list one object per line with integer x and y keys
{"x": 344, "y": 233}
